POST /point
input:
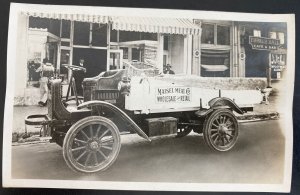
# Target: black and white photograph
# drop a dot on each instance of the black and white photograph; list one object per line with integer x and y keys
{"x": 148, "y": 99}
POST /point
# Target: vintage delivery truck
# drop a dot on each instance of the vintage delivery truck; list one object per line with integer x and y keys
{"x": 145, "y": 102}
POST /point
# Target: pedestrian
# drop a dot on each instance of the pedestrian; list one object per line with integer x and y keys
{"x": 79, "y": 76}
{"x": 168, "y": 70}
{"x": 46, "y": 71}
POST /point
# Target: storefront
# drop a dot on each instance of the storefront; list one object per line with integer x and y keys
{"x": 213, "y": 51}
{"x": 205, "y": 48}
{"x": 106, "y": 43}
{"x": 225, "y": 49}
{"x": 265, "y": 49}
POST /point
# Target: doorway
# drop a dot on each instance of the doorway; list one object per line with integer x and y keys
{"x": 94, "y": 60}
{"x": 257, "y": 62}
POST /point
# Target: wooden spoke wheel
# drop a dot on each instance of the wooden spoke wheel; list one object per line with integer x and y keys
{"x": 92, "y": 144}
{"x": 221, "y": 130}
{"x": 183, "y": 130}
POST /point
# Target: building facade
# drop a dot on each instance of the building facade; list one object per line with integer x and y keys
{"x": 200, "y": 47}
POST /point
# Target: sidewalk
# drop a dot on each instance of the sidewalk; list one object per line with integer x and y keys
{"x": 261, "y": 112}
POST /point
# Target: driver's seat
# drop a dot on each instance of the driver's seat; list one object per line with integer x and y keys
{"x": 56, "y": 108}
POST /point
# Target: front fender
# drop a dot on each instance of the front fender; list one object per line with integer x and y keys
{"x": 223, "y": 101}
{"x": 120, "y": 113}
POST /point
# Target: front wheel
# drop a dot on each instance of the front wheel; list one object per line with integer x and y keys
{"x": 92, "y": 144}
{"x": 221, "y": 130}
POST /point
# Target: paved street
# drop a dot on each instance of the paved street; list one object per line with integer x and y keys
{"x": 258, "y": 157}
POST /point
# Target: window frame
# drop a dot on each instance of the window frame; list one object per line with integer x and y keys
{"x": 215, "y": 45}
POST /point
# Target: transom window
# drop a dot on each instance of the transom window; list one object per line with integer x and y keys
{"x": 215, "y": 34}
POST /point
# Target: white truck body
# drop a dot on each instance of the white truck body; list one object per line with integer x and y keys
{"x": 173, "y": 93}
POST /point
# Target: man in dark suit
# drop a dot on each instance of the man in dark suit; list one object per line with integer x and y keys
{"x": 168, "y": 70}
{"x": 79, "y": 76}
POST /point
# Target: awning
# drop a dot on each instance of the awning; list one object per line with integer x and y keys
{"x": 73, "y": 17}
{"x": 139, "y": 24}
{"x": 156, "y": 25}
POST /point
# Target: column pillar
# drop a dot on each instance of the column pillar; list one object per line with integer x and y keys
{"x": 160, "y": 52}
{"x": 20, "y": 48}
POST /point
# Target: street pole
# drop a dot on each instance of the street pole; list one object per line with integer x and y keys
{"x": 269, "y": 71}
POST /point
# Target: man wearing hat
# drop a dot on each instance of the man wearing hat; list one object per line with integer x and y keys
{"x": 168, "y": 70}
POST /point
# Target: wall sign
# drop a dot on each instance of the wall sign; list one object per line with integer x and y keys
{"x": 173, "y": 94}
{"x": 263, "y": 43}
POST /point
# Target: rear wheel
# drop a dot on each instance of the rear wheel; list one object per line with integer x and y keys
{"x": 221, "y": 130}
{"x": 92, "y": 144}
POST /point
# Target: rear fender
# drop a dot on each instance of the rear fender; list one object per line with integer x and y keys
{"x": 224, "y": 102}
{"x": 118, "y": 112}
{"x": 217, "y": 103}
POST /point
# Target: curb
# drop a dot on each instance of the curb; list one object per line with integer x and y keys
{"x": 258, "y": 117}
{"x": 41, "y": 140}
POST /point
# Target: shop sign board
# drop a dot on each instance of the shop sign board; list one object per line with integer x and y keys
{"x": 173, "y": 94}
{"x": 278, "y": 62}
{"x": 263, "y": 43}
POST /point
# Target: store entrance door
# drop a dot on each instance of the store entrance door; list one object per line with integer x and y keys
{"x": 94, "y": 60}
{"x": 257, "y": 62}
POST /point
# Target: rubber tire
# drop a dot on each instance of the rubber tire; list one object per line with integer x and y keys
{"x": 207, "y": 124}
{"x": 79, "y": 124}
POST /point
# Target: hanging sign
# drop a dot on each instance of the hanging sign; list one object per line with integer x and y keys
{"x": 278, "y": 62}
{"x": 263, "y": 43}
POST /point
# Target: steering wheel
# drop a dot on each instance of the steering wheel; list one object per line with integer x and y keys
{"x": 74, "y": 67}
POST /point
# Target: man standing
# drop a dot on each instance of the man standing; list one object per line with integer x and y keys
{"x": 47, "y": 71}
{"x": 79, "y": 76}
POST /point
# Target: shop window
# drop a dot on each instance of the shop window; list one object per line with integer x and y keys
{"x": 66, "y": 29}
{"x": 215, "y": 63}
{"x": 135, "y": 54}
{"x": 128, "y": 36}
{"x": 113, "y": 35}
{"x": 64, "y": 60}
{"x": 207, "y": 36}
{"x": 65, "y": 43}
{"x": 38, "y": 22}
{"x": 165, "y": 60}
{"x": 166, "y": 43}
{"x": 53, "y": 26}
{"x": 125, "y": 52}
{"x": 99, "y": 35}
{"x": 223, "y": 35}
{"x": 272, "y": 35}
{"x": 256, "y": 33}
{"x": 280, "y": 36}
{"x": 148, "y": 36}
{"x": 81, "y": 33}
{"x": 277, "y": 35}
{"x": 215, "y": 34}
